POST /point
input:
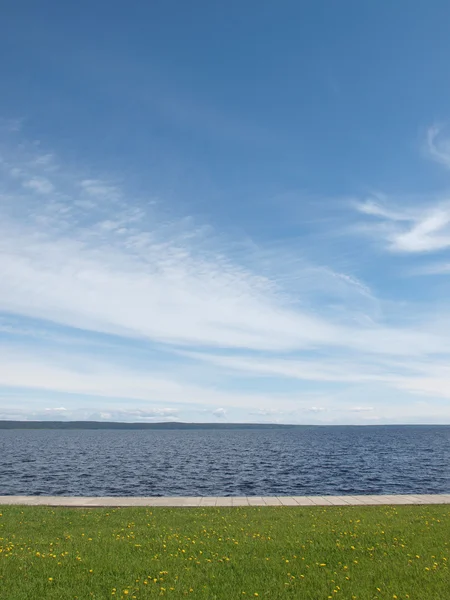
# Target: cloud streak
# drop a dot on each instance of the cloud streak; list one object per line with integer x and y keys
{"x": 417, "y": 227}
{"x": 87, "y": 256}
{"x": 84, "y": 262}
{"x": 411, "y": 230}
{"x": 438, "y": 145}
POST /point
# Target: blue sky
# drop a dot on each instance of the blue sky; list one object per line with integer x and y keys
{"x": 225, "y": 211}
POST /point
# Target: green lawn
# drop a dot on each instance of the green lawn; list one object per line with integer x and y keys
{"x": 306, "y": 553}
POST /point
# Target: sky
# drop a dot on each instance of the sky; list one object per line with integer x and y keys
{"x": 225, "y": 212}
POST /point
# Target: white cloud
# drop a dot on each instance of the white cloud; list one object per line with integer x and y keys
{"x": 140, "y": 285}
{"x": 220, "y": 413}
{"x": 419, "y": 376}
{"x": 39, "y": 184}
{"x": 267, "y": 412}
{"x": 429, "y": 233}
{"x": 161, "y": 291}
{"x": 135, "y": 275}
{"x": 375, "y": 207}
{"x": 422, "y": 226}
{"x": 442, "y": 268}
{"x": 87, "y": 414}
{"x": 138, "y": 415}
{"x": 75, "y": 373}
{"x": 45, "y": 160}
{"x": 86, "y": 258}
{"x": 438, "y": 146}
{"x": 99, "y": 188}
{"x": 90, "y": 257}
{"x": 411, "y": 230}
{"x": 108, "y": 383}
{"x": 11, "y": 125}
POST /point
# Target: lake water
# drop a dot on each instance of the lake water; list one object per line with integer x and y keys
{"x": 297, "y": 461}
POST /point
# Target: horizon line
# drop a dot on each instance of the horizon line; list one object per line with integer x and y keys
{"x": 215, "y": 424}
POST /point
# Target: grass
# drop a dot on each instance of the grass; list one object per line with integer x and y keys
{"x": 306, "y": 553}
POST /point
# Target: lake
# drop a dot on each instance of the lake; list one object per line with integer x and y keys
{"x": 210, "y": 462}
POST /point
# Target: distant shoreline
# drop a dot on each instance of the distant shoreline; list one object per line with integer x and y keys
{"x": 115, "y": 425}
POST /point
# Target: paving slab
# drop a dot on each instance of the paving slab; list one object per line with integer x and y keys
{"x": 224, "y": 501}
{"x": 338, "y": 500}
{"x": 271, "y": 501}
{"x": 396, "y": 499}
{"x": 368, "y": 499}
{"x": 303, "y": 501}
{"x": 66, "y": 501}
{"x": 433, "y": 499}
{"x": 320, "y": 500}
{"x": 287, "y": 501}
{"x": 19, "y": 500}
{"x": 255, "y": 501}
{"x": 239, "y": 501}
{"x": 172, "y": 502}
{"x": 119, "y": 501}
{"x": 208, "y": 501}
{"x": 192, "y": 501}
{"x": 354, "y": 500}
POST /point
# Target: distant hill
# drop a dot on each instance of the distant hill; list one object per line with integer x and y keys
{"x": 114, "y": 425}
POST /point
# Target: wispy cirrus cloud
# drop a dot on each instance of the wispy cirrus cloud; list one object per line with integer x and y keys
{"x": 90, "y": 269}
{"x": 87, "y": 255}
{"x": 418, "y": 225}
{"x": 416, "y": 229}
{"x": 420, "y": 375}
{"x": 433, "y": 268}
{"x": 438, "y": 144}
{"x": 108, "y": 380}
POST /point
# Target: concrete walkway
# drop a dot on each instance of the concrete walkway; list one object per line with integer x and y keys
{"x": 182, "y": 501}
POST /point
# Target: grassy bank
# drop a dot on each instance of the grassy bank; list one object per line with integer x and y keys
{"x": 312, "y": 553}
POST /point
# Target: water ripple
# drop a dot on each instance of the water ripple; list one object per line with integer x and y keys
{"x": 303, "y": 461}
